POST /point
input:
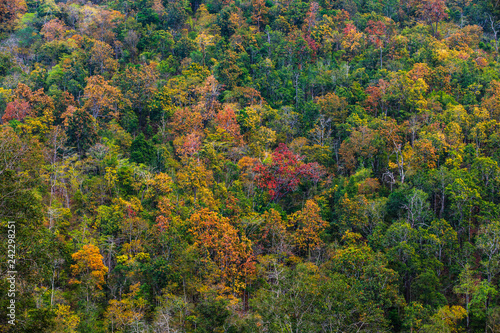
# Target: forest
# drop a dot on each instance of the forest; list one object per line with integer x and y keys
{"x": 249, "y": 166}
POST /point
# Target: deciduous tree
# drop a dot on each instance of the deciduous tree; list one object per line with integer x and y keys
{"x": 309, "y": 224}
{"x": 285, "y": 172}
{"x": 89, "y": 269}
{"x": 102, "y": 99}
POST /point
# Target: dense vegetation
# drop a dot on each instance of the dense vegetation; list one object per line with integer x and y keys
{"x": 251, "y": 165}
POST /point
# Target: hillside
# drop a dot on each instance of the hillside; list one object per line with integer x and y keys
{"x": 249, "y": 166}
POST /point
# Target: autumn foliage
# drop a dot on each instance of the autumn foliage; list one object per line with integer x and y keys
{"x": 219, "y": 242}
{"x": 89, "y": 267}
{"x": 285, "y": 172}
{"x": 250, "y": 166}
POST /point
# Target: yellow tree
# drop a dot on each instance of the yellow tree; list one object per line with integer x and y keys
{"x": 66, "y": 321}
{"x": 275, "y": 236}
{"x": 309, "y": 224}
{"x": 446, "y": 320}
{"x": 127, "y": 312}
{"x": 353, "y": 213}
{"x": 204, "y": 40}
{"x": 491, "y": 101}
{"x": 333, "y": 107}
{"x": 195, "y": 178}
{"x": 247, "y": 173}
{"x": 351, "y": 40}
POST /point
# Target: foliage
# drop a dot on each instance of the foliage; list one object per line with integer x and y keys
{"x": 251, "y": 166}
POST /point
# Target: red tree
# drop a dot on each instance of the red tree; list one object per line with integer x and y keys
{"x": 18, "y": 109}
{"x": 285, "y": 172}
{"x": 377, "y": 35}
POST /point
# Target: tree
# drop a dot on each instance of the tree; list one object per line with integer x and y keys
{"x": 171, "y": 314}
{"x": 309, "y": 224}
{"x": 128, "y": 312}
{"x": 467, "y": 287}
{"x": 377, "y": 34}
{"x": 464, "y": 196}
{"x": 259, "y": 12}
{"x": 333, "y": 107}
{"x": 353, "y": 214}
{"x": 131, "y": 42}
{"x": 363, "y": 143}
{"x": 488, "y": 242}
{"x": 461, "y": 6}
{"x": 228, "y": 70}
{"x": 433, "y": 12}
{"x": 102, "y": 57}
{"x": 195, "y": 178}
{"x": 10, "y": 10}
{"x": 139, "y": 86}
{"x": 142, "y": 150}
{"x": 207, "y": 94}
{"x": 375, "y": 98}
{"x": 218, "y": 241}
{"x": 226, "y": 119}
{"x": 311, "y": 17}
{"x": 417, "y": 208}
{"x": 445, "y": 320}
{"x": 204, "y": 40}
{"x": 274, "y": 237}
{"x": 89, "y": 269}
{"x": 66, "y": 321}
{"x": 17, "y": 110}
{"x": 187, "y": 145}
{"x": 40, "y": 103}
{"x": 289, "y": 299}
{"x": 402, "y": 248}
{"x": 445, "y": 237}
{"x": 101, "y": 98}
{"x": 99, "y": 23}
{"x": 53, "y": 30}
{"x": 492, "y": 100}
{"x": 351, "y": 40}
{"x": 367, "y": 285}
{"x": 186, "y": 121}
{"x": 19, "y": 160}
{"x": 285, "y": 172}
{"x": 162, "y": 40}
{"x": 81, "y": 130}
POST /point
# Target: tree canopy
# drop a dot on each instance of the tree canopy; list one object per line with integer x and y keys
{"x": 251, "y": 165}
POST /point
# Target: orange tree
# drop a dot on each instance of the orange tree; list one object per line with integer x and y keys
{"x": 219, "y": 243}
{"x": 89, "y": 269}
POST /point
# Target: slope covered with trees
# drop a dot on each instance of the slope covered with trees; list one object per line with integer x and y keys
{"x": 251, "y": 165}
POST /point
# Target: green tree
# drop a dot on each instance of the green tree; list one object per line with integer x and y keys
{"x": 142, "y": 150}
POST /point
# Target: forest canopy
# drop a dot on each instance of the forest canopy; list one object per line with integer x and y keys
{"x": 250, "y": 165}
